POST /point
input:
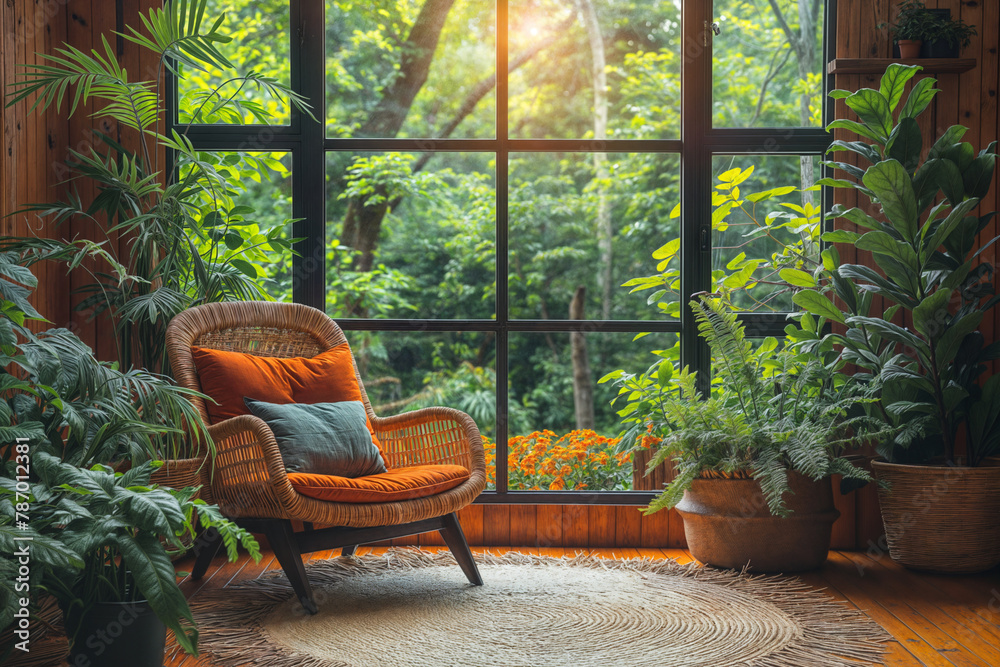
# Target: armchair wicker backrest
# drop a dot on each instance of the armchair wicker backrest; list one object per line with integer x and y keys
{"x": 262, "y": 328}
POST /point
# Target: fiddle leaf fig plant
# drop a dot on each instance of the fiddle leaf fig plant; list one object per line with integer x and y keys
{"x": 925, "y": 349}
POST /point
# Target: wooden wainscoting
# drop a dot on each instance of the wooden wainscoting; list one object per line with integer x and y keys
{"x": 601, "y": 526}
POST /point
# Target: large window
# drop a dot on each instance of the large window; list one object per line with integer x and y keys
{"x": 499, "y": 243}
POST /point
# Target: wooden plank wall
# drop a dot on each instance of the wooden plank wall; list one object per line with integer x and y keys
{"x": 35, "y": 146}
{"x": 33, "y": 149}
{"x": 32, "y": 145}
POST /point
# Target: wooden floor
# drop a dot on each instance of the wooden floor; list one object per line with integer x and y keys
{"x": 935, "y": 620}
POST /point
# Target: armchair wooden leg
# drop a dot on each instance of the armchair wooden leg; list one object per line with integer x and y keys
{"x": 349, "y": 551}
{"x": 286, "y": 549}
{"x": 206, "y": 546}
{"x": 455, "y": 539}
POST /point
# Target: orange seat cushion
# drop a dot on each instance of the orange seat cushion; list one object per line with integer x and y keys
{"x": 395, "y": 485}
{"x": 227, "y": 377}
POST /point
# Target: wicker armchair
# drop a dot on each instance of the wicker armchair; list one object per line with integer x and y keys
{"x": 248, "y": 479}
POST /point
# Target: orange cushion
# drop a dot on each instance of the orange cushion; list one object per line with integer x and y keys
{"x": 398, "y": 484}
{"x": 229, "y": 376}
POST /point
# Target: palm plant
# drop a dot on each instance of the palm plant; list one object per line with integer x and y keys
{"x": 89, "y": 412}
{"x": 777, "y": 410}
{"x": 189, "y": 241}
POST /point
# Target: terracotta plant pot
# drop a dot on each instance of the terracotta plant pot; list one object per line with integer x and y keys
{"x": 909, "y": 48}
{"x": 727, "y": 524}
{"x": 941, "y": 518}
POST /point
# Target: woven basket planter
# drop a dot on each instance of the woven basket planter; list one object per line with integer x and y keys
{"x": 940, "y": 518}
{"x": 182, "y": 473}
{"x": 727, "y": 524}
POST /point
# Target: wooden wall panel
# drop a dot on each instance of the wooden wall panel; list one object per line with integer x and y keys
{"x": 25, "y": 165}
{"x": 548, "y": 526}
{"x": 35, "y": 147}
{"x": 575, "y": 531}
{"x": 628, "y": 525}
{"x": 981, "y": 90}
{"x": 496, "y": 525}
{"x": 523, "y": 525}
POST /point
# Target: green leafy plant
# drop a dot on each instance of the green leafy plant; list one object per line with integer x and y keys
{"x": 769, "y": 249}
{"x": 109, "y": 536}
{"x": 96, "y": 535}
{"x": 188, "y": 239}
{"x": 777, "y": 410}
{"x": 56, "y": 393}
{"x": 924, "y": 352}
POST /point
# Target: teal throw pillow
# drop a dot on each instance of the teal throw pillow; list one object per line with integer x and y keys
{"x": 322, "y": 438}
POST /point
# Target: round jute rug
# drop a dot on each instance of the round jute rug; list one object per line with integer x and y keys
{"x": 410, "y": 608}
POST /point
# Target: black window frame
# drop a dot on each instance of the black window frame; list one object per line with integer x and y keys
{"x": 306, "y": 141}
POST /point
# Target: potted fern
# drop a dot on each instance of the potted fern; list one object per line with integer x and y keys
{"x": 753, "y": 460}
{"x": 924, "y": 348}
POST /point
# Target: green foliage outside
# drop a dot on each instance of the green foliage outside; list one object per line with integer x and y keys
{"x": 435, "y": 251}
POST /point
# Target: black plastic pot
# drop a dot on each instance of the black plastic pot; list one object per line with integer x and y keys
{"x": 936, "y": 48}
{"x": 113, "y": 634}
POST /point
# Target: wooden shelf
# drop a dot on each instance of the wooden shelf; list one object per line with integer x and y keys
{"x": 878, "y": 65}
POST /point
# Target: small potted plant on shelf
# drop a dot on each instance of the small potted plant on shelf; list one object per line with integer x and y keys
{"x": 922, "y": 32}
{"x": 753, "y": 461}
{"x": 923, "y": 349}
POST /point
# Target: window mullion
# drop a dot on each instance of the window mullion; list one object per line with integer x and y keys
{"x": 696, "y": 179}
{"x": 308, "y": 46}
{"x": 502, "y": 299}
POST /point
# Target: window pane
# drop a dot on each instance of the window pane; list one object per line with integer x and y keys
{"x": 411, "y": 235}
{"x": 766, "y": 228}
{"x": 553, "y": 47}
{"x": 260, "y": 44}
{"x": 559, "y": 438}
{"x": 761, "y": 75}
{"x": 379, "y": 85}
{"x": 406, "y": 371}
{"x": 564, "y": 207}
{"x": 247, "y": 231}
